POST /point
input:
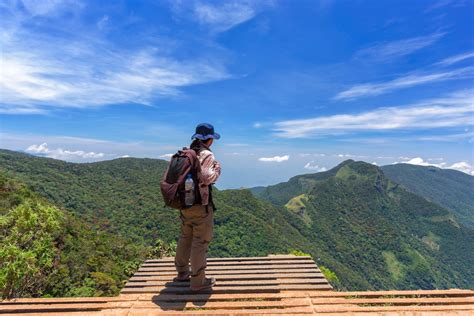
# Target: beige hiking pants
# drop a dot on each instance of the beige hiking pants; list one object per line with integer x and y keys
{"x": 196, "y": 233}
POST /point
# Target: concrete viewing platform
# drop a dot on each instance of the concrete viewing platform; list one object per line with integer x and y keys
{"x": 277, "y": 284}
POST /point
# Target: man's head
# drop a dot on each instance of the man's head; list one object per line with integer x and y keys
{"x": 205, "y": 132}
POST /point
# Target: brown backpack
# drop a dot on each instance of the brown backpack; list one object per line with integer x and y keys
{"x": 182, "y": 163}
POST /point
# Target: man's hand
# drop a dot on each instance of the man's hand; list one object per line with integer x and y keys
{"x": 217, "y": 166}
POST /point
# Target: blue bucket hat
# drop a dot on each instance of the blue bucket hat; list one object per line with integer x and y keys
{"x": 205, "y": 131}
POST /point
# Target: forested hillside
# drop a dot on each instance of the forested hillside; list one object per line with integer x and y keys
{"x": 122, "y": 196}
{"x": 451, "y": 189}
{"x": 368, "y": 230}
{"x": 47, "y": 251}
{"x": 281, "y": 193}
{"x": 388, "y": 236}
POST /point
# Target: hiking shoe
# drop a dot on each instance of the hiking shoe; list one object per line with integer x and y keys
{"x": 208, "y": 283}
{"x": 183, "y": 277}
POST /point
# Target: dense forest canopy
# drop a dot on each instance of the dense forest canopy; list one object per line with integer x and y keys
{"x": 47, "y": 251}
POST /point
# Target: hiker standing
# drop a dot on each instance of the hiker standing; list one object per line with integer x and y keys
{"x": 197, "y": 221}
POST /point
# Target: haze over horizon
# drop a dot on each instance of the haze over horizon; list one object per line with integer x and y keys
{"x": 292, "y": 88}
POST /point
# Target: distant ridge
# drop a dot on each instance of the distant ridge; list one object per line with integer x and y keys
{"x": 356, "y": 209}
{"x": 449, "y": 188}
{"x": 282, "y": 192}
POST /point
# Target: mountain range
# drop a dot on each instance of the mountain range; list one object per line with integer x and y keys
{"x": 449, "y": 188}
{"x": 370, "y": 227}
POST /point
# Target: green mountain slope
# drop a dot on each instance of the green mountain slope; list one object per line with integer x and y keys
{"x": 47, "y": 251}
{"x": 283, "y": 192}
{"x": 351, "y": 219}
{"x": 386, "y": 236}
{"x": 451, "y": 189}
{"x": 122, "y": 197}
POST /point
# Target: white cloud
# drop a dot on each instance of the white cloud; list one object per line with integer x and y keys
{"x": 312, "y": 166}
{"x": 65, "y": 154}
{"x": 455, "y": 59}
{"x": 21, "y": 109}
{"x": 112, "y": 149}
{"x": 274, "y": 158}
{"x": 225, "y": 15}
{"x": 237, "y": 154}
{"x": 166, "y": 156}
{"x": 456, "y": 109}
{"x": 44, "y": 78}
{"x": 62, "y": 154}
{"x": 420, "y": 162}
{"x": 221, "y": 16}
{"x": 38, "y": 149}
{"x": 407, "y": 81}
{"x": 389, "y": 50}
{"x": 41, "y": 8}
{"x": 257, "y": 125}
{"x": 350, "y": 156}
{"x": 103, "y": 22}
{"x": 467, "y": 136}
{"x": 58, "y": 69}
{"x": 462, "y": 166}
{"x": 439, "y": 4}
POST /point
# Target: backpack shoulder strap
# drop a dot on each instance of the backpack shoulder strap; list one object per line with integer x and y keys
{"x": 193, "y": 157}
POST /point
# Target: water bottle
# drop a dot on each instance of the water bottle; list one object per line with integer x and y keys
{"x": 189, "y": 190}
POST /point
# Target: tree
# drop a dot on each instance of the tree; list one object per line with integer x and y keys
{"x": 27, "y": 247}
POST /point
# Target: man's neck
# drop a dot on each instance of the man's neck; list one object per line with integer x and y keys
{"x": 201, "y": 146}
{"x": 205, "y": 146}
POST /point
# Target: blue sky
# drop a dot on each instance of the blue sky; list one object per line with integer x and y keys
{"x": 292, "y": 86}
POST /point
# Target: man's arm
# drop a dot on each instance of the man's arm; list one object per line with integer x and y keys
{"x": 210, "y": 167}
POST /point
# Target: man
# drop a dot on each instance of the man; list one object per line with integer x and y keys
{"x": 197, "y": 221}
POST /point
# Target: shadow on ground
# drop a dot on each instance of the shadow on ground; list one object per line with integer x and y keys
{"x": 177, "y": 295}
